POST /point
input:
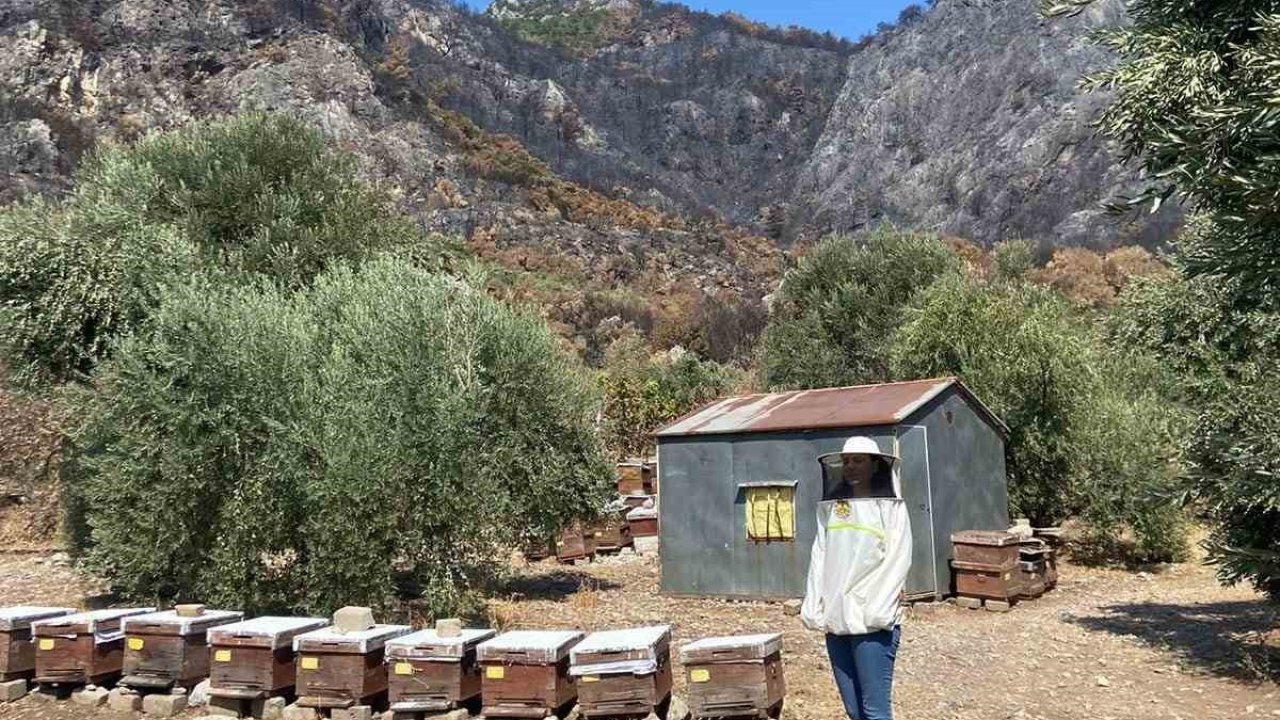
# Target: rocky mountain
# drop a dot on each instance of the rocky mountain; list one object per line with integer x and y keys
{"x": 649, "y": 153}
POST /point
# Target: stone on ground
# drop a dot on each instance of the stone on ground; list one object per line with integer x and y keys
{"x": 89, "y": 698}
{"x": 164, "y": 706}
{"x": 355, "y": 712}
{"x": 124, "y": 700}
{"x": 268, "y": 708}
{"x": 791, "y": 607}
{"x": 999, "y": 606}
{"x": 677, "y": 710}
{"x": 12, "y": 690}
{"x": 199, "y": 694}
{"x": 971, "y": 603}
{"x": 298, "y": 712}
{"x": 225, "y": 706}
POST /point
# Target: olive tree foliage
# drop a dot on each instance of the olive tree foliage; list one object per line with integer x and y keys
{"x": 833, "y": 315}
{"x": 255, "y": 196}
{"x": 1224, "y": 361}
{"x": 1193, "y": 99}
{"x": 1080, "y": 443}
{"x": 382, "y": 432}
{"x": 643, "y": 391}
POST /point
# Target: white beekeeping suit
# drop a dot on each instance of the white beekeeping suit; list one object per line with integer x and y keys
{"x": 858, "y": 567}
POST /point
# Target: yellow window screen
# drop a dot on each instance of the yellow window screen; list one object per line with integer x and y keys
{"x": 771, "y": 513}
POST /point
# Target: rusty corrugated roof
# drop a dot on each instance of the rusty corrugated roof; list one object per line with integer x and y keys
{"x": 860, "y": 406}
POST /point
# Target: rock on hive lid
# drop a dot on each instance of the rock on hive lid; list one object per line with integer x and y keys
{"x": 21, "y": 616}
{"x": 185, "y": 625}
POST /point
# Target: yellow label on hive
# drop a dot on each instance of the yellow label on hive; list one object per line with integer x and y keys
{"x": 222, "y": 656}
{"x": 1006, "y": 575}
{"x": 310, "y": 663}
{"x": 46, "y": 643}
{"x": 404, "y": 668}
{"x": 590, "y": 678}
{"x": 699, "y": 675}
{"x": 495, "y": 673}
{"x": 134, "y": 643}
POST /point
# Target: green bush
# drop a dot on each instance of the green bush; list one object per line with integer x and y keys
{"x": 382, "y": 432}
{"x": 1223, "y": 361}
{"x": 834, "y": 313}
{"x": 1082, "y": 442}
{"x": 258, "y": 196}
{"x": 642, "y": 392}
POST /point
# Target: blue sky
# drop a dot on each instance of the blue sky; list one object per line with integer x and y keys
{"x": 850, "y": 18}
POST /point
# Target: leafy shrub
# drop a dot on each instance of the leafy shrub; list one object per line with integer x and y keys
{"x": 1222, "y": 361}
{"x": 258, "y": 196}
{"x": 642, "y": 392}
{"x": 1081, "y": 441}
{"x": 384, "y": 430}
{"x": 834, "y": 313}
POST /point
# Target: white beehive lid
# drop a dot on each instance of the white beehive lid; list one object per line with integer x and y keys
{"x": 184, "y": 625}
{"x": 92, "y": 620}
{"x": 361, "y": 641}
{"x": 273, "y": 629}
{"x": 21, "y": 616}
{"x": 539, "y": 646}
{"x": 634, "y": 640}
{"x": 429, "y": 643}
{"x": 759, "y": 645}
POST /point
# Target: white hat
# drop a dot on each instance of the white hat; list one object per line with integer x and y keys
{"x": 859, "y": 445}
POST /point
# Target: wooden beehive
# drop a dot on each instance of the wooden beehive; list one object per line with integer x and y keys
{"x": 621, "y": 673}
{"x": 985, "y": 547}
{"x": 643, "y": 522}
{"x": 612, "y": 533}
{"x": 575, "y": 543}
{"x": 254, "y": 659}
{"x": 989, "y": 582}
{"x": 86, "y": 647}
{"x": 635, "y": 478}
{"x": 634, "y": 501}
{"x": 338, "y": 670}
{"x": 17, "y": 652}
{"x": 526, "y": 673}
{"x": 1031, "y": 578}
{"x": 164, "y": 649}
{"x": 432, "y": 673}
{"x": 735, "y": 676}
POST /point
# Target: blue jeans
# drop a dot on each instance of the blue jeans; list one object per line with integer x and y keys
{"x": 863, "y": 666}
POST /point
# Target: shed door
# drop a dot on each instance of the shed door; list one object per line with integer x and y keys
{"x": 913, "y": 449}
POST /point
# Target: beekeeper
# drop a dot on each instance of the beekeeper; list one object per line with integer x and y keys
{"x": 857, "y": 574}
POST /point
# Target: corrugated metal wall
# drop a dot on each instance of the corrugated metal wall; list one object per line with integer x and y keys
{"x": 705, "y": 550}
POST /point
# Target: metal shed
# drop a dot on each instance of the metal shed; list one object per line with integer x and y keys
{"x": 709, "y": 462}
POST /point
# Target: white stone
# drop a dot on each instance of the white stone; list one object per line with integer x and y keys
{"x": 12, "y": 690}
{"x": 124, "y": 700}
{"x": 268, "y": 709}
{"x": 89, "y": 698}
{"x": 199, "y": 694}
{"x": 164, "y": 706}
{"x": 298, "y": 712}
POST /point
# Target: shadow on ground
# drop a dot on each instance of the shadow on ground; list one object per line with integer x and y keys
{"x": 1228, "y": 639}
{"x": 551, "y": 585}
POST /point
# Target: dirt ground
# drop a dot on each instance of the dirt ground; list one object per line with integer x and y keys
{"x": 1106, "y": 645}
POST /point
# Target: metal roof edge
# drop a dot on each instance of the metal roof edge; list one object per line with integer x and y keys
{"x": 953, "y": 381}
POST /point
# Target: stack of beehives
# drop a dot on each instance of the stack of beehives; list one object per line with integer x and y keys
{"x": 630, "y": 520}
{"x": 994, "y": 569}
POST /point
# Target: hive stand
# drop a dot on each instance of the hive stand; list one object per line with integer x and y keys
{"x": 623, "y": 673}
{"x": 165, "y": 649}
{"x": 430, "y": 673}
{"x": 732, "y": 677}
{"x": 526, "y": 673}
{"x": 340, "y": 670}
{"x": 83, "y": 648}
